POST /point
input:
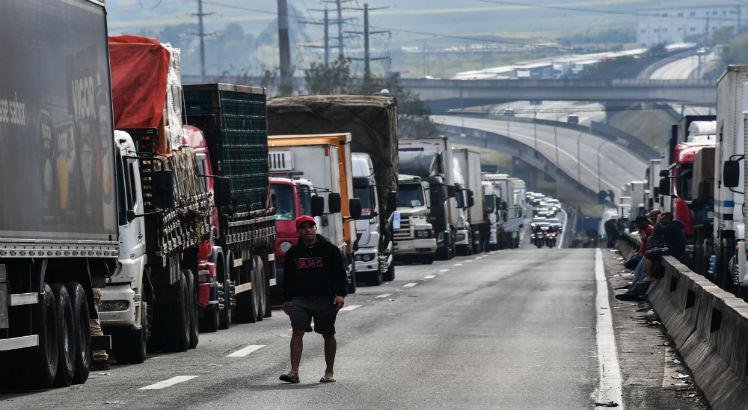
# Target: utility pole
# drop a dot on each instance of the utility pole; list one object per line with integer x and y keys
{"x": 326, "y": 40}
{"x": 366, "y": 33}
{"x": 284, "y": 44}
{"x": 339, "y": 21}
{"x": 202, "y": 35}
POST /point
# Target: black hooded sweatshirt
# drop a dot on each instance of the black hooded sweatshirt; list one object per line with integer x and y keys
{"x": 315, "y": 271}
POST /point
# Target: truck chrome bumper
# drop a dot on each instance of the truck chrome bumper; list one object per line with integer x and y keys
{"x": 415, "y": 247}
{"x": 461, "y": 237}
{"x": 117, "y": 306}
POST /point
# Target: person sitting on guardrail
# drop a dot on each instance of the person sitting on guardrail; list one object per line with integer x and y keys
{"x": 654, "y": 216}
{"x": 645, "y": 230}
{"x": 668, "y": 238}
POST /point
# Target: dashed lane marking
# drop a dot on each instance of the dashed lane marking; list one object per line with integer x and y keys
{"x": 443, "y": 270}
{"x": 383, "y": 295}
{"x": 168, "y": 383}
{"x": 410, "y": 285}
{"x": 429, "y": 276}
{"x": 349, "y": 307}
{"x": 244, "y": 351}
{"x": 457, "y": 264}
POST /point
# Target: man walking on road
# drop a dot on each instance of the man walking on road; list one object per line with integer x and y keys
{"x": 314, "y": 287}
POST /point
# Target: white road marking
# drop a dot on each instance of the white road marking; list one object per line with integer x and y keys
{"x": 609, "y": 388}
{"x": 168, "y": 382}
{"x": 563, "y": 231}
{"x": 410, "y": 285}
{"x": 429, "y": 276}
{"x": 244, "y": 351}
{"x": 443, "y": 270}
{"x": 349, "y": 307}
{"x": 384, "y": 295}
{"x": 457, "y": 264}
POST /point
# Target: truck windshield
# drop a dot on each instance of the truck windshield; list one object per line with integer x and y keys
{"x": 410, "y": 196}
{"x": 460, "y": 198}
{"x": 283, "y": 202}
{"x": 305, "y": 195}
{"x": 364, "y": 194}
{"x": 684, "y": 181}
{"x": 489, "y": 203}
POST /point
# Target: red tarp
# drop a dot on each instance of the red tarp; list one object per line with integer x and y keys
{"x": 140, "y": 67}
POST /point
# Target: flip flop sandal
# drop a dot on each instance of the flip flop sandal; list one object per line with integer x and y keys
{"x": 326, "y": 380}
{"x": 289, "y": 378}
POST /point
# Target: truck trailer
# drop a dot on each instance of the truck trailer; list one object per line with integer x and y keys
{"x": 479, "y": 233}
{"x": 59, "y": 202}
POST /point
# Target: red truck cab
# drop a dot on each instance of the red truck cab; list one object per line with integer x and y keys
{"x": 209, "y": 289}
{"x": 681, "y": 174}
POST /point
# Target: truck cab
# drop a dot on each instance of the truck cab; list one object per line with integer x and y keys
{"x": 371, "y": 265}
{"x": 414, "y": 235}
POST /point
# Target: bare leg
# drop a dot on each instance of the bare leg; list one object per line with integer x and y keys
{"x": 331, "y": 346}
{"x": 297, "y": 345}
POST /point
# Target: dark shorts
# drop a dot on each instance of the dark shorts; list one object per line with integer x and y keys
{"x": 321, "y": 309}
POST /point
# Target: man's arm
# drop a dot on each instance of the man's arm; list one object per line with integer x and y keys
{"x": 289, "y": 275}
{"x": 340, "y": 279}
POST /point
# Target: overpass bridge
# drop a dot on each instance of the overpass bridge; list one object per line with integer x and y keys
{"x": 447, "y": 94}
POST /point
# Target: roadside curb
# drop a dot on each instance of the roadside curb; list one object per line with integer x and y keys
{"x": 708, "y": 327}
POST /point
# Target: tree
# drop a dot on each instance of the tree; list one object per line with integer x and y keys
{"x": 333, "y": 79}
{"x": 736, "y": 51}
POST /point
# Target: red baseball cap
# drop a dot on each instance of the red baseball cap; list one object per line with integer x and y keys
{"x": 305, "y": 218}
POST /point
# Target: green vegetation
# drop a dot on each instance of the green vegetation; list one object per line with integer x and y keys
{"x": 736, "y": 51}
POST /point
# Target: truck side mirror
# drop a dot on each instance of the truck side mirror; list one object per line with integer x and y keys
{"x": 451, "y": 191}
{"x": 391, "y": 201}
{"x": 222, "y": 194}
{"x": 333, "y": 202}
{"x": 470, "y": 199}
{"x": 318, "y": 205}
{"x": 731, "y": 174}
{"x": 664, "y": 186}
{"x": 664, "y": 173}
{"x": 354, "y": 206}
{"x": 163, "y": 189}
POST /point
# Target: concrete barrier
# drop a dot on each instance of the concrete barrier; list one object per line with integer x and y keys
{"x": 708, "y": 326}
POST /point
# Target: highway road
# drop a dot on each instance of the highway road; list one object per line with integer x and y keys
{"x": 618, "y": 166}
{"x": 514, "y": 329}
{"x": 684, "y": 68}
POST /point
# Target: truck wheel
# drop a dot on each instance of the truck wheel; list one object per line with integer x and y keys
{"x": 428, "y": 260}
{"x": 176, "y": 327}
{"x": 352, "y": 283}
{"x": 37, "y": 367}
{"x": 246, "y": 303}
{"x": 390, "y": 274}
{"x": 192, "y": 308}
{"x": 268, "y": 307}
{"x": 259, "y": 280}
{"x": 130, "y": 345}
{"x": 378, "y": 277}
{"x": 225, "y": 314}
{"x": 82, "y": 331}
{"x": 66, "y": 340}
{"x": 210, "y": 322}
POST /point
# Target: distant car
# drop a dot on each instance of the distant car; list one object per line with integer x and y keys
{"x": 572, "y": 119}
{"x": 508, "y": 112}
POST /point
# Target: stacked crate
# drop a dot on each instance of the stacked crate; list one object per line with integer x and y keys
{"x": 234, "y": 121}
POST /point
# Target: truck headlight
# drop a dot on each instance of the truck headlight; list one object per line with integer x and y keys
{"x": 113, "y": 305}
{"x": 364, "y": 257}
{"x": 423, "y": 234}
{"x": 285, "y": 246}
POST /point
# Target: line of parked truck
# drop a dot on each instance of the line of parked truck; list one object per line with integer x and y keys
{"x": 158, "y": 210}
{"x": 702, "y": 182}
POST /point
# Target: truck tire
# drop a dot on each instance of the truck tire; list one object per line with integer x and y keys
{"x": 210, "y": 321}
{"x": 175, "y": 329}
{"x": 352, "y": 283}
{"x": 390, "y": 274}
{"x": 246, "y": 303}
{"x": 37, "y": 367}
{"x": 268, "y": 305}
{"x": 130, "y": 345}
{"x": 82, "y": 331}
{"x": 224, "y": 315}
{"x": 259, "y": 279}
{"x": 192, "y": 308}
{"x": 66, "y": 336}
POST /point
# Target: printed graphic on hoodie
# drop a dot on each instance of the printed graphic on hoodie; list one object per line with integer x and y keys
{"x": 310, "y": 263}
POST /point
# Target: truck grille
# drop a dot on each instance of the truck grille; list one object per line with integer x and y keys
{"x": 404, "y": 232}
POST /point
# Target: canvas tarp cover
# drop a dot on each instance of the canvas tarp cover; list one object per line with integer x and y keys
{"x": 371, "y": 120}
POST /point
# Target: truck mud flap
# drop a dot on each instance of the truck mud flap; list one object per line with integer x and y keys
{"x": 101, "y": 342}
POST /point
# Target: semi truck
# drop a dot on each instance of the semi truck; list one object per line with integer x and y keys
{"x": 430, "y": 159}
{"x": 415, "y": 237}
{"x": 651, "y": 177}
{"x": 151, "y": 300}
{"x": 479, "y": 233}
{"x": 372, "y": 122}
{"x": 463, "y": 233}
{"x": 512, "y": 212}
{"x": 237, "y": 266}
{"x": 494, "y": 213}
{"x": 325, "y": 160}
{"x": 725, "y": 268}
{"x": 59, "y": 202}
